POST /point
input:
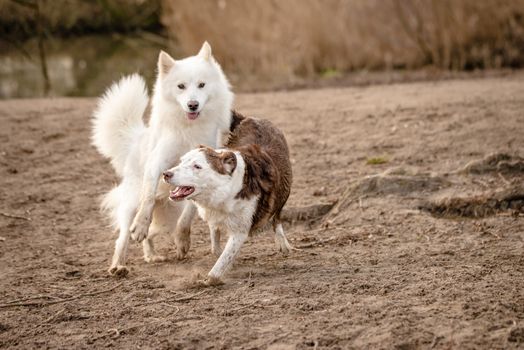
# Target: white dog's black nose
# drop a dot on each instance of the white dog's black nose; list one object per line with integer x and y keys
{"x": 192, "y": 105}
{"x": 167, "y": 175}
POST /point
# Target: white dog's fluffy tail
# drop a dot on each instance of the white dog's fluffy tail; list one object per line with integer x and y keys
{"x": 117, "y": 121}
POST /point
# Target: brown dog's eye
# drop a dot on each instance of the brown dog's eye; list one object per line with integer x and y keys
{"x": 196, "y": 166}
{"x": 201, "y": 85}
{"x": 181, "y": 86}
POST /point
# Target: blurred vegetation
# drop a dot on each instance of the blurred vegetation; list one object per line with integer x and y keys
{"x": 30, "y": 28}
{"x": 266, "y": 44}
{"x": 376, "y": 160}
{"x": 280, "y": 41}
{"x": 77, "y": 17}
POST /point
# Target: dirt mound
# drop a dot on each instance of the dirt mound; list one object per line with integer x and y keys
{"x": 405, "y": 181}
{"x": 496, "y": 162}
{"x": 395, "y": 181}
{"x": 399, "y": 180}
{"x": 516, "y": 335}
{"x": 511, "y": 200}
{"x": 308, "y": 213}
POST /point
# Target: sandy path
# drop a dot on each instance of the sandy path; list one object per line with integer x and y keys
{"x": 380, "y": 273}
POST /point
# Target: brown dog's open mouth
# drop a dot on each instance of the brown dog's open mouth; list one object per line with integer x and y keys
{"x": 181, "y": 192}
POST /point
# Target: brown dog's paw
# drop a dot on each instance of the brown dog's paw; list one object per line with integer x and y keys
{"x": 198, "y": 280}
{"x": 208, "y": 282}
{"x": 213, "y": 281}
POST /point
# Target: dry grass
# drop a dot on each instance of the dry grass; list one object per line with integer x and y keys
{"x": 281, "y": 41}
{"x": 66, "y": 17}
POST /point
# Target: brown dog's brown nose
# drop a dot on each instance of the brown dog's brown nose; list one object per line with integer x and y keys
{"x": 167, "y": 175}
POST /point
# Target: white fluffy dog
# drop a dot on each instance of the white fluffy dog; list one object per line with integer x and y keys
{"x": 191, "y": 105}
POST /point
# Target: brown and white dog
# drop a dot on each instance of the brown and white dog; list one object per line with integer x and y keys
{"x": 239, "y": 189}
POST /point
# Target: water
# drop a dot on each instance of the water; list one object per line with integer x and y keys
{"x": 82, "y": 66}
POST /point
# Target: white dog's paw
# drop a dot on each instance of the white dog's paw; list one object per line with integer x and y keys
{"x": 155, "y": 258}
{"x": 139, "y": 229}
{"x": 182, "y": 242}
{"x": 118, "y": 271}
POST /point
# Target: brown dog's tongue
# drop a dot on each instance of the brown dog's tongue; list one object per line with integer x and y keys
{"x": 180, "y": 192}
{"x": 175, "y": 194}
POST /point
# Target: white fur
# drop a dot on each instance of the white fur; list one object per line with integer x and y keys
{"x": 215, "y": 198}
{"x": 281, "y": 240}
{"x": 117, "y": 121}
{"x": 140, "y": 153}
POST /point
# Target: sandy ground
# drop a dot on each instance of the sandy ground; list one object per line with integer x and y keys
{"x": 377, "y": 271}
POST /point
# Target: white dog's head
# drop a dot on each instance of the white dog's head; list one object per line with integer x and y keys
{"x": 206, "y": 175}
{"x": 196, "y": 84}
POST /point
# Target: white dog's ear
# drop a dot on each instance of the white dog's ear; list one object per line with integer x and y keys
{"x": 165, "y": 63}
{"x": 205, "y": 51}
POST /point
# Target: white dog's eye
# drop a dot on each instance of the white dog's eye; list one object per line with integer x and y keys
{"x": 181, "y": 86}
{"x": 201, "y": 85}
{"x": 196, "y": 166}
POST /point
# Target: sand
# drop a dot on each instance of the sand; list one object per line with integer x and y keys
{"x": 419, "y": 251}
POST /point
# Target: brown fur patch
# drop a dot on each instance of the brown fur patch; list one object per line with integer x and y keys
{"x": 268, "y": 168}
{"x": 236, "y": 119}
{"x": 222, "y": 162}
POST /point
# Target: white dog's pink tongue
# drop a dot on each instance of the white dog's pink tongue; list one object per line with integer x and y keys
{"x": 192, "y": 115}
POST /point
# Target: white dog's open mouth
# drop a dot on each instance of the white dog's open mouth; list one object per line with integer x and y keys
{"x": 181, "y": 192}
{"x": 192, "y": 115}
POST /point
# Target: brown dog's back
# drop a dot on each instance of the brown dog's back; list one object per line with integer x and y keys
{"x": 268, "y": 168}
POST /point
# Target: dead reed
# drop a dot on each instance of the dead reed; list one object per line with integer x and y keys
{"x": 280, "y": 41}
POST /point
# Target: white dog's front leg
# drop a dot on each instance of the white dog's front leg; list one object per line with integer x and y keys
{"x": 144, "y": 216}
{"x": 229, "y": 254}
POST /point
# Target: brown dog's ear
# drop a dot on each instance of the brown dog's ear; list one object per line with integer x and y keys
{"x": 229, "y": 162}
{"x": 207, "y": 149}
{"x": 223, "y": 162}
